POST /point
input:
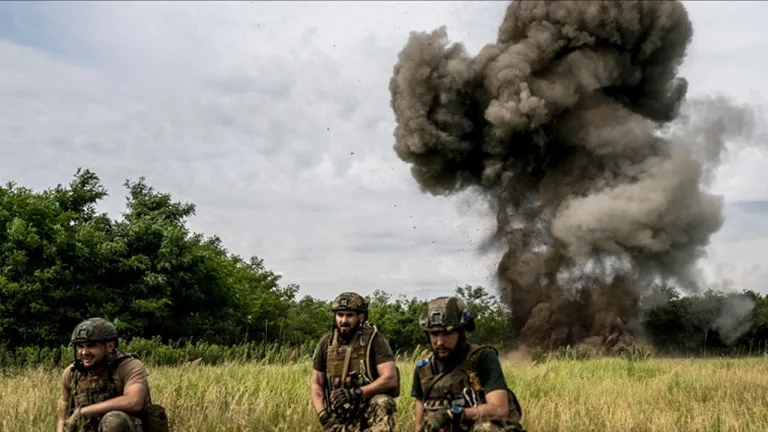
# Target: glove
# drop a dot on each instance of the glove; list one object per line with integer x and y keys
{"x": 434, "y": 421}
{"x": 328, "y": 421}
{"x": 339, "y": 397}
{"x": 70, "y": 425}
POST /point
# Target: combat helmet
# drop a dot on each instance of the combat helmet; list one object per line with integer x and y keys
{"x": 350, "y": 301}
{"x": 446, "y": 314}
{"x": 93, "y": 330}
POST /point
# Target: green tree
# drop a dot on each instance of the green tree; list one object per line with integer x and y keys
{"x": 397, "y": 319}
{"x": 491, "y": 316}
{"x": 61, "y": 261}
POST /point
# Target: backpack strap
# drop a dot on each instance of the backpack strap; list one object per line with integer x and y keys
{"x": 369, "y": 369}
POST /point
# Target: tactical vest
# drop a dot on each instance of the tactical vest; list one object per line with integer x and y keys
{"x": 352, "y": 364}
{"x": 89, "y": 389}
{"x": 459, "y": 384}
{"x": 353, "y": 358}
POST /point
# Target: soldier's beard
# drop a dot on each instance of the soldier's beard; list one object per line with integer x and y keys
{"x": 455, "y": 354}
{"x": 346, "y": 333}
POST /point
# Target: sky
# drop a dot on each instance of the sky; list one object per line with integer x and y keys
{"x": 274, "y": 119}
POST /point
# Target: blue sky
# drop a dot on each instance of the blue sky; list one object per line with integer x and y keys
{"x": 274, "y": 119}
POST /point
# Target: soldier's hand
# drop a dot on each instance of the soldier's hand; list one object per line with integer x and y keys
{"x": 339, "y": 397}
{"x": 70, "y": 425}
{"x": 434, "y": 421}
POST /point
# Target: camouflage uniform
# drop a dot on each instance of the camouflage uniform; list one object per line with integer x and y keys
{"x": 350, "y": 366}
{"x": 442, "y": 390}
{"x": 92, "y": 388}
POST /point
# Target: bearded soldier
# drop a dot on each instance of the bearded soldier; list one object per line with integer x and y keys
{"x": 105, "y": 391}
{"x": 461, "y": 386}
{"x": 354, "y": 377}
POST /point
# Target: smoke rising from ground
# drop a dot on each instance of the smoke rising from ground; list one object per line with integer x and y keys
{"x": 566, "y": 125}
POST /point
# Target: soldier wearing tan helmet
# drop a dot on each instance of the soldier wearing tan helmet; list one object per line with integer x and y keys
{"x": 103, "y": 390}
{"x": 461, "y": 386}
{"x": 354, "y": 377}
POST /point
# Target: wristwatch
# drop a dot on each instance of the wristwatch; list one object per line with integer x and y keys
{"x": 358, "y": 392}
{"x": 457, "y": 412}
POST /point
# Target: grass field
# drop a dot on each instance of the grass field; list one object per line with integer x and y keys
{"x": 596, "y": 395}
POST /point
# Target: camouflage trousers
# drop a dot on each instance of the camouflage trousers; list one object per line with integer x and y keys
{"x": 118, "y": 421}
{"x": 379, "y": 416}
{"x": 114, "y": 421}
{"x": 508, "y": 425}
{"x": 488, "y": 426}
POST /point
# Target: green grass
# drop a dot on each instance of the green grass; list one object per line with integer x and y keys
{"x": 592, "y": 395}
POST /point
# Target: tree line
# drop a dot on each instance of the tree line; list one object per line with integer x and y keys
{"x": 62, "y": 261}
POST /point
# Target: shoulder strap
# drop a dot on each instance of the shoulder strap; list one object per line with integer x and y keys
{"x": 333, "y": 341}
{"x": 72, "y": 384}
{"x": 334, "y": 338}
{"x": 468, "y": 363}
{"x": 347, "y": 357}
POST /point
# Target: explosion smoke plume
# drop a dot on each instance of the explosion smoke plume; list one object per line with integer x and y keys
{"x": 558, "y": 124}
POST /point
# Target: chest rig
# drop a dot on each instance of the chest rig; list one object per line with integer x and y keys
{"x": 441, "y": 388}
{"x": 349, "y": 365}
{"x": 89, "y": 389}
{"x": 460, "y": 385}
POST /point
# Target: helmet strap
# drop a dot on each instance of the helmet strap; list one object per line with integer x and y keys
{"x": 78, "y": 364}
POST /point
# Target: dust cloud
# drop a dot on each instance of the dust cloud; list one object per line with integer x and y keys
{"x": 573, "y": 125}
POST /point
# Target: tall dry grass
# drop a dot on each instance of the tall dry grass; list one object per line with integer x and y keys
{"x": 595, "y": 395}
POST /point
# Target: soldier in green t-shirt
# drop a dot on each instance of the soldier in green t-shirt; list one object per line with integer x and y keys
{"x": 461, "y": 386}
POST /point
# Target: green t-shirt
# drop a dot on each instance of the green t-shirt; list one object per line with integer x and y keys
{"x": 488, "y": 369}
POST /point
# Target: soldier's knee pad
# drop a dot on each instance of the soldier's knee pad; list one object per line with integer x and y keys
{"x": 116, "y": 421}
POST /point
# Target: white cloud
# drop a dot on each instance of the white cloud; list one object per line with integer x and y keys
{"x": 274, "y": 118}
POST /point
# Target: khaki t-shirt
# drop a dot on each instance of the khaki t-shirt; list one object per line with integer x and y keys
{"x": 131, "y": 371}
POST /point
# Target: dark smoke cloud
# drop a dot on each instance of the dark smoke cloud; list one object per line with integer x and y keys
{"x": 566, "y": 124}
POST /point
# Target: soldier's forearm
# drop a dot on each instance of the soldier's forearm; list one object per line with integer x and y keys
{"x": 382, "y": 384}
{"x": 486, "y": 411}
{"x": 318, "y": 398}
{"x": 127, "y": 404}
{"x": 418, "y": 414}
{"x": 61, "y": 415}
